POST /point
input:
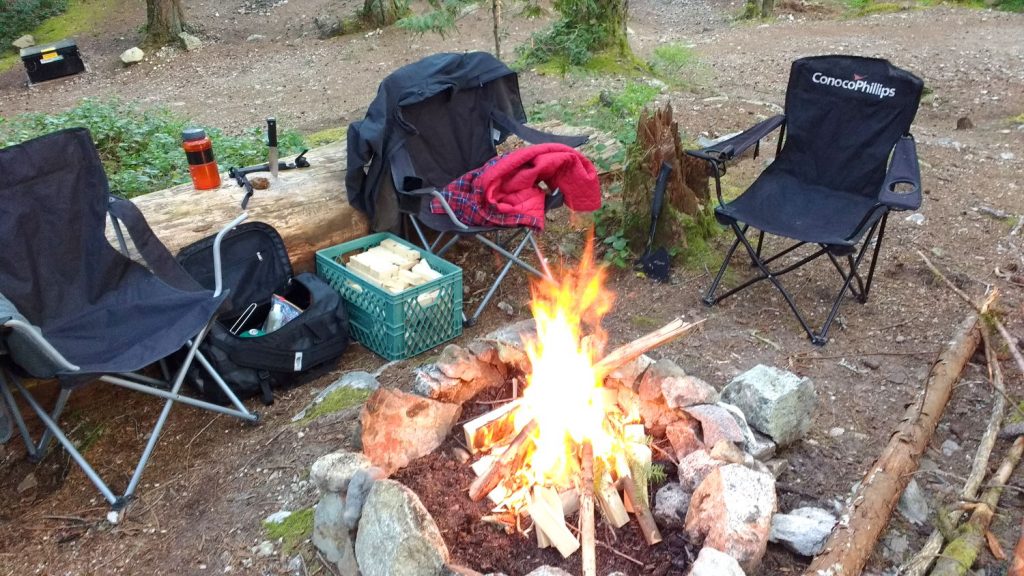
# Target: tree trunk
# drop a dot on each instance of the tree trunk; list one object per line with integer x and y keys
{"x": 657, "y": 141}
{"x": 383, "y": 12}
{"x": 165, "y": 19}
{"x": 496, "y": 15}
{"x": 767, "y": 8}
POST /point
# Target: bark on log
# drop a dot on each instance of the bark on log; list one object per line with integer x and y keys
{"x": 958, "y": 556}
{"x": 588, "y": 555}
{"x": 632, "y": 350}
{"x": 509, "y": 461}
{"x": 307, "y": 206}
{"x": 851, "y": 543}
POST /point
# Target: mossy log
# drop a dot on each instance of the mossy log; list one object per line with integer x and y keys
{"x": 658, "y": 141}
{"x": 959, "y": 555}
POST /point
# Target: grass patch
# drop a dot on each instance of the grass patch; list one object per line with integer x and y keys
{"x": 1019, "y": 119}
{"x": 80, "y": 17}
{"x": 292, "y": 531}
{"x": 646, "y": 322}
{"x": 141, "y": 149}
{"x": 326, "y": 136}
{"x": 680, "y": 66}
{"x": 615, "y": 113}
{"x": 341, "y": 399}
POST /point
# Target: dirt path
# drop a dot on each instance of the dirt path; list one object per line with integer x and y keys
{"x": 212, "y": 480}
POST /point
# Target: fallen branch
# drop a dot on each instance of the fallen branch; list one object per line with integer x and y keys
{"x": 851, "y": 543}
{"x": 919, "y": 564}
{"x": 627, "y": 352}
{"x": 958, "y": 556}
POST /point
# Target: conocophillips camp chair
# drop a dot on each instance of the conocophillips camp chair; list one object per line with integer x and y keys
{"x": 74, "y": 308}
{"x": 431, "y": 122}
{"x": 845, "y": 158}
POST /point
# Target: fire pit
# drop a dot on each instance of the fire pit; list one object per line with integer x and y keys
{"x": 552, "y": 430}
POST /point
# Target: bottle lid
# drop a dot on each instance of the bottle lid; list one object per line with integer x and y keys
{"x": 189, "y": 134}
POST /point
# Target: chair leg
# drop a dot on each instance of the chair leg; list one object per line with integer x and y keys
{"x": 12, "y": 409}
{"x": 53, "y": 428}
{"x": 874, "y": 257}
{"x": 512, "y": 258}
{"x": 709, "y": 296}
{"x": 821, "y": 337}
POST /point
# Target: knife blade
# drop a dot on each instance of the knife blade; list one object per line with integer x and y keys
{"x": 272, "y": 146}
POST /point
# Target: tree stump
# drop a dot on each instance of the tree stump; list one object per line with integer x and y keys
{"x": 686, "y": 196}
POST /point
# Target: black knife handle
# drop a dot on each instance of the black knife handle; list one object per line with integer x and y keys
{"x": 271, "y": 132}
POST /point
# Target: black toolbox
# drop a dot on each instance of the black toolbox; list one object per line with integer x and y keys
{"x": 48, "y": 61}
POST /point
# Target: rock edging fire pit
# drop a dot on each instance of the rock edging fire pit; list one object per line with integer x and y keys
{"x": 724, "y": 497}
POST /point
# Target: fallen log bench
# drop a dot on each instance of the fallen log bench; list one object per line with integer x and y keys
{"x": 307, "y": 206}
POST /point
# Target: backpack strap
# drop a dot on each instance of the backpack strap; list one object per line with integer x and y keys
{"x": 266, "y": 394}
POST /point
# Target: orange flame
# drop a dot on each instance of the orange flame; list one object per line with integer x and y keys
{"x": 564, "y": 394}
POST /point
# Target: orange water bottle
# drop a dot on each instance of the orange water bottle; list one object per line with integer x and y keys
{"x": 201, "y": 164}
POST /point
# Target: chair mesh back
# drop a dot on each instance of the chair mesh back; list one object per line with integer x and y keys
{"x": 844, "y": 115}
{"x": 53, "y": 202}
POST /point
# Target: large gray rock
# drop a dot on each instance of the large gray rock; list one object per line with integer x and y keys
{"x": 331, "y": 537}
{"x": 678, "y": 389}
{"x": 711, "y": 562}
{"x": 399, "y": 427}
{"x": 189, "y": 42}
{"x": 731, "y": 511}
{"x": 332, "y": 472}
{"x": 397, "y": 536}
{"x": 328, "y": 26}
{"x": 132, "y": 55}
{"x": 25, "y": 41}
{"x": 803, "y": 530}
{"x": 776, "y": 402}
{"x": 670, "y": 505}
{"x": 355, "y": 497}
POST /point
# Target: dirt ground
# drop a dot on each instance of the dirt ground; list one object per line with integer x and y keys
{"x": 213, "y": 480}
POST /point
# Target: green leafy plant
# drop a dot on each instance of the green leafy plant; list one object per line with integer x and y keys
{"x": 141, "y": 149}
{"x": 20, "y": 16}
{"x": 440, "y": 20}
{"x": 584, "y": 28}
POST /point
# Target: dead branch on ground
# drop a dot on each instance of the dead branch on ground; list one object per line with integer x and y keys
{"x": 851, "y": 543}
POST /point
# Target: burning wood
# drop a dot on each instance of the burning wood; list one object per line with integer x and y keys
{"x": 541, "y": 453}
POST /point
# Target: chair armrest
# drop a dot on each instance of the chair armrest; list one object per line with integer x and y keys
{"x": 728, "y": 149}
{"x": 27, "y": 346}
{"x": 903, "y": 169}
{"x": 218, "y": 276}
{"x": 435, "y": 194}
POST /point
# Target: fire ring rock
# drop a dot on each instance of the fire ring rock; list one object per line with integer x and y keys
{"x": 399, "y": 427}
{"x": 775, "y": 402}
{"x": 397, "y": 536}
{"x": 731, "y": 511}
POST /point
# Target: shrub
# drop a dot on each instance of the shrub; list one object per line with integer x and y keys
{"x": 19, "y": 16}
{"x": 141, "y": 149}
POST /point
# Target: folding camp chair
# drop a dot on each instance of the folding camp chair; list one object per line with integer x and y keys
{"x": 74, "y": 308}
{"x": 829, "y": 185}
{"x": 431, "y": 122}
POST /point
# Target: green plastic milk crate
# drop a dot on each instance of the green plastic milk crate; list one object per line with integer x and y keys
{"x": 396, "y": 326}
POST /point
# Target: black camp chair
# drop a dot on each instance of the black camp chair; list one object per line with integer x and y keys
{"x": 431, "y": 122}
{"x": 74, "y": 308}
{"x": 832, "y": 183}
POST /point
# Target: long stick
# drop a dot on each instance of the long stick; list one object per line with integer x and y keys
{"x": 644, "y": 518}
{"x": 958, "y": 556}
{"x": 627, "y": 352}
{"x": 919, "y": 564}
{"x": 506, "y": 462}
{"x": 587, "y": 511}
{"x": 851, "y": 543}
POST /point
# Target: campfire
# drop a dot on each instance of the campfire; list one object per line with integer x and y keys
{"x": 567, "y": 442}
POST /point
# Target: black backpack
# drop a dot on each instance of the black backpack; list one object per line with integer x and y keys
{"x": 255, "y": 267}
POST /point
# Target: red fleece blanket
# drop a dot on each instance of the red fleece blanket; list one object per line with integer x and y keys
{"x": 506, "y": 191}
